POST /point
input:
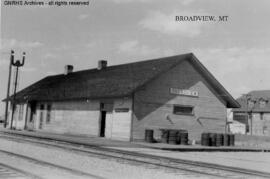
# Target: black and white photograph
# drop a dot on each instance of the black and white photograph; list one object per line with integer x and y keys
{"x": 134, "y": 89}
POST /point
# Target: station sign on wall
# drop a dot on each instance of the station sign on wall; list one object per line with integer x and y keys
{"x": 121, "y": 109}
{"x": 184, "y": 92}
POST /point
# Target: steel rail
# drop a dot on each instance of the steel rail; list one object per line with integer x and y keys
{"x": 120, "y": 156}
{"x": 20, "y": 172}
{"x": 43, "y": 163}
{"x": 142, "y": 158}
{"x": 101, "y": 153}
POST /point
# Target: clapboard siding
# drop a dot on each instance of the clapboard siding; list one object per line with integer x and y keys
{"x": 153, "y": 104}
{"x": 18, "y": 118}
{"x": 77, "y": 117}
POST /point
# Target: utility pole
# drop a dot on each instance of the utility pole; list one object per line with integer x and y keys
{"x": 17, "y": 64}
{"x": 8, "y": 87}
{"x": 248, "y": 96}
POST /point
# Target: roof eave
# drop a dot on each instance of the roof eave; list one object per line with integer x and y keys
{"x": 231, "y": 102}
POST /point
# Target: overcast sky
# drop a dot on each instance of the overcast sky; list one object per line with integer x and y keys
{"x": 236, "y": 52}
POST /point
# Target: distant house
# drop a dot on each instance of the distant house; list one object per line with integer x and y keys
{"x": 254, "y": 112}
{"x": 121, "y": 101}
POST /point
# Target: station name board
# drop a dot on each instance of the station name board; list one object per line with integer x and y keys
{"x": 121, "y": 109}
{"x": 184, "y": 92}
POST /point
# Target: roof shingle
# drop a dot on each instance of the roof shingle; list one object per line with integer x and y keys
{"x": 113, "y": 81}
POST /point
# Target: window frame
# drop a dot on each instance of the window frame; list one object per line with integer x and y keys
{"x": 182, "y": 113}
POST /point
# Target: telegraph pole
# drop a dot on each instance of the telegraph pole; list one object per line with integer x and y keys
{"x": 17, "y": 64}
{"x": 8, "y": 87}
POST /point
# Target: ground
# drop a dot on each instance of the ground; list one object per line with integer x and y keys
{"x": 46, "y": 161}
{"x": 84, "y": 165}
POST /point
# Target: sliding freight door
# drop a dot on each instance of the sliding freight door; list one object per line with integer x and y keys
{"x": 122, "y": 120}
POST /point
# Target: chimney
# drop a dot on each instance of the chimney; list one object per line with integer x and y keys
{"x": 68, "y": 69}
{"x": 102, "y": 64}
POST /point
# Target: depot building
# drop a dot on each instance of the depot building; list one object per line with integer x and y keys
{"x": 120, "y": 102}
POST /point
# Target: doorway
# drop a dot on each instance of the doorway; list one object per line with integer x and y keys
{"x": 102, "y": 124}
{"x": 33, "y": 111}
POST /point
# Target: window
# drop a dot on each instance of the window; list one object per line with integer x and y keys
{"x": 262, "y": 103}
{"x": 261, "y": 116}
{"x": 20, "y": 117}
{"x": 251, "y": 103}
{"x": 249, "y": 115}
{"x": 247, "y": 128}
{"x": 42, "y": 107}
{"x": 49, "y": 109}
{"x": 183, "y": 110}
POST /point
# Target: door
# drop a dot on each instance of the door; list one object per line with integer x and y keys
{"x": 108, "y": 124}
{"x": 33, "y": 108}
{"x": 102, "y": 124}
{"x": 121, "y": 124}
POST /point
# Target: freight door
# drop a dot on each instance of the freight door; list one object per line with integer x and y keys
{"x": 121, "y": 124}
{"x": 108, "y": 129}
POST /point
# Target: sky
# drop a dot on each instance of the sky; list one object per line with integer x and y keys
{"x": 235, "y": 51}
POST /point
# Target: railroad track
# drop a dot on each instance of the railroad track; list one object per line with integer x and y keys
{"x": 199, "y": 168}
{"x": 9, "y": 172}
{"x": 47, "y": 164}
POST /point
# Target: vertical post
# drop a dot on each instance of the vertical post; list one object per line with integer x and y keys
{"x": 8, "y": 87}
{"x": 226, "y": 124}
{"x": 17, "y": 64}
{"x": 247, "y": 115}
{"x": 14, "y": 97}
{"x": 248, "y": 96}
{"x": 251, "y": 118}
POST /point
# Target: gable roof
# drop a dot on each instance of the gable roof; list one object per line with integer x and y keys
{"x": 255, "y": 96}
{"x": 113, "y": 81}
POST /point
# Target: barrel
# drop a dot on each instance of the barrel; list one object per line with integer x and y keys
{"x": 183, "y": 137}
{"x": 226, "y": 140}
{"x": 173, "y": 137}
{"x": 149, "y": 135}
{"x": 219, "y": 140}
{"x": 205, "y": 139}
{"x": 231, "y": 139}
{"x": 213, "y": 139}
{"x": 164, "y": 136}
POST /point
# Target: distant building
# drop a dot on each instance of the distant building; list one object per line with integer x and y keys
{"x": 121, "y": 101}
{"x": 254, "y": 112}
{"x": 2, "y": 119}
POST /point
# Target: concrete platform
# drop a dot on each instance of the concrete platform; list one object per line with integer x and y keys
{"x": 103, "y": 142}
